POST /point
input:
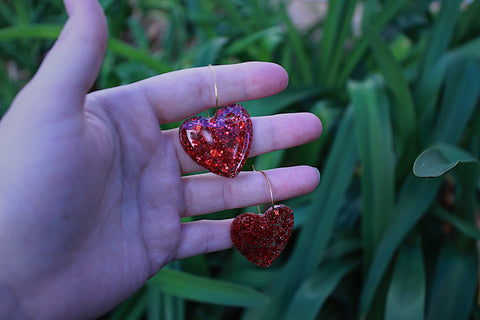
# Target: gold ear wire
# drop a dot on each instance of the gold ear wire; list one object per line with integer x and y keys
{"x": 215, "y": 87}
{"x": 269, "y": 187}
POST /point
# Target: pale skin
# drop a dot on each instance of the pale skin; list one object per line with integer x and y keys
{"x": 91, "y": 190}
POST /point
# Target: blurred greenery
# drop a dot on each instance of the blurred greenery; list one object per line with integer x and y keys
{"x": 389, "y": 235}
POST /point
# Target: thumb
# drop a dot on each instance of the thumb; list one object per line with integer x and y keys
{"x": 72, "y": 65}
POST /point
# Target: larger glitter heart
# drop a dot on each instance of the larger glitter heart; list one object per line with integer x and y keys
{"x": 220, "y": 144}
{"x": 261, "y": 238}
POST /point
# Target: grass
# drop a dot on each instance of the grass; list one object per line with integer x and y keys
{"x": 391, "y": 231}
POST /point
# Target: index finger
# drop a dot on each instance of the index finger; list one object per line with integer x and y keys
{"x": 177, "y": 95}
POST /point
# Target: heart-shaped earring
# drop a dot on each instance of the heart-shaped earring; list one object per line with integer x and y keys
{"x": 221, "y": 143}
{"x": 262, "y": 237}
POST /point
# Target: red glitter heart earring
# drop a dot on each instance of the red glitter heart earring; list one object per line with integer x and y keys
{"x": 262, "y": 237}
{"x": 221, "y": 143}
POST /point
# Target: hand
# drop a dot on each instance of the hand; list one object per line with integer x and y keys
{"x": 91, "y": 190}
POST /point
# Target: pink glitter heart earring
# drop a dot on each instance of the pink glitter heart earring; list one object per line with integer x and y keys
{"x": 221, "y": 143}
{"x": 262, "y": 237}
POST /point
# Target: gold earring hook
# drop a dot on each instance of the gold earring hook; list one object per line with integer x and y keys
{"x": 269, "y": 187}
{"x": 214, "y": 86}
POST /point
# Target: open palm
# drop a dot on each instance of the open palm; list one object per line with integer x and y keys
{"x": 91, "y": 190}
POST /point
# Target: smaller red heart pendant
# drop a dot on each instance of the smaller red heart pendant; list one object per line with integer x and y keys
{"x": 262, "y": 237}
{"x": 220, "y": 144}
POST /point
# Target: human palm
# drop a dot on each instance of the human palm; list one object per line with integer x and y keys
{"x": 92, "y": 191}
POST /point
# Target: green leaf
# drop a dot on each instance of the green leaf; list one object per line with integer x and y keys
{"x": 454, "y": 283}
{"x": 468, "y": 229}
{"x": 316, "y": 234}
{"x": 406, "y": 294}
{"x": 440, "y": 35}
{"x": 428, "y": 89}
{"x": 337, "y": 176}
{"x": 336, "y": 29}
{"x": 127, "y": 51}
{"x": 237, "y": 17}
{"x": 154, "y": 306}
{"x": 432, "y": 67}
{"x": 132, "y": 305}
{"x": 298, "y": 45}
{"x": 7, "y": 14}
{"x": 344, "y": 245}
{"x": 278, "y": 102}
{"x": 403, "y": 110}
{"x": 173, "y": 307}
{"x": 370, "y": 7}
{"x": 313, "y": 292}
{"x": 468, "y": 49}
{"x": 242, "y": 44}
{"x": 49, "y": 31}
{"x": 388, "y": 12}
{"x": 106, "y": 3}
{"x": 209, "y": 51}
{"x": 39, "y": 31}
{"x": 138, "y": 310}
{"x": 374, "y": 139}
{"x": 207, "y": 290}
{"x": 468, "y": 23}
{"x": 437, "y": 160}
{"x": 462, "y": 89}
{"x": 415, "y": 198}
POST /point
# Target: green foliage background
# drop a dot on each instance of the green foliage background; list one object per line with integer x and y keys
{"x": 391, "y": 232}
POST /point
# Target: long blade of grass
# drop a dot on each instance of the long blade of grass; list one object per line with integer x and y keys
{"x": 336, "y": 178}
{"x": 468, "y": 49}
{"x": 173, "y": 308}
{"x": 388, "y": 12}
{"x": 403, "y": 110}
{"x": 154, "y": 304}
{"x": 279, "y": 102}
{"x": 468, "y": 24}
{"x": 240, "y": 45}
{"x": 49, "y": 31}
{"x": 415, "y": 198}
{"x": 38, "y": 31}
{"x": 124, "y": 309}
{"x": 138, "y": 310}
{"x": 468, "y": 229}
{"x": 203, "y": 289}
{"x": 406, "y": 295}
{"x": 462, "y": 89}
{"x": 438, "y": 40}
{"x": 453, "y": 287}
{"x": 299, "y": 49}
{"x": 133, "y": 54}
{"x": 337, "y": 27}
{"x": 440, "y": 35}
{"x": 209, "y": 51}
{"x": 236, "y": 16}
{"x": 428, "y": 89}
{"x": 374, "y": 139}
{"x": 313, "y": 292}
{"x": 370, "y": 7}
{"x": 7, "y": 14}
{"x": 313, "y": 238}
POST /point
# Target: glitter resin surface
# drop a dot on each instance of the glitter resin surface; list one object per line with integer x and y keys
{"x": 261, "y": 238}
{"x": 221, "y": 143}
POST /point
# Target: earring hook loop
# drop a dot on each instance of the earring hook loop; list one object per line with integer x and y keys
{"x": 269, "y": 187}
